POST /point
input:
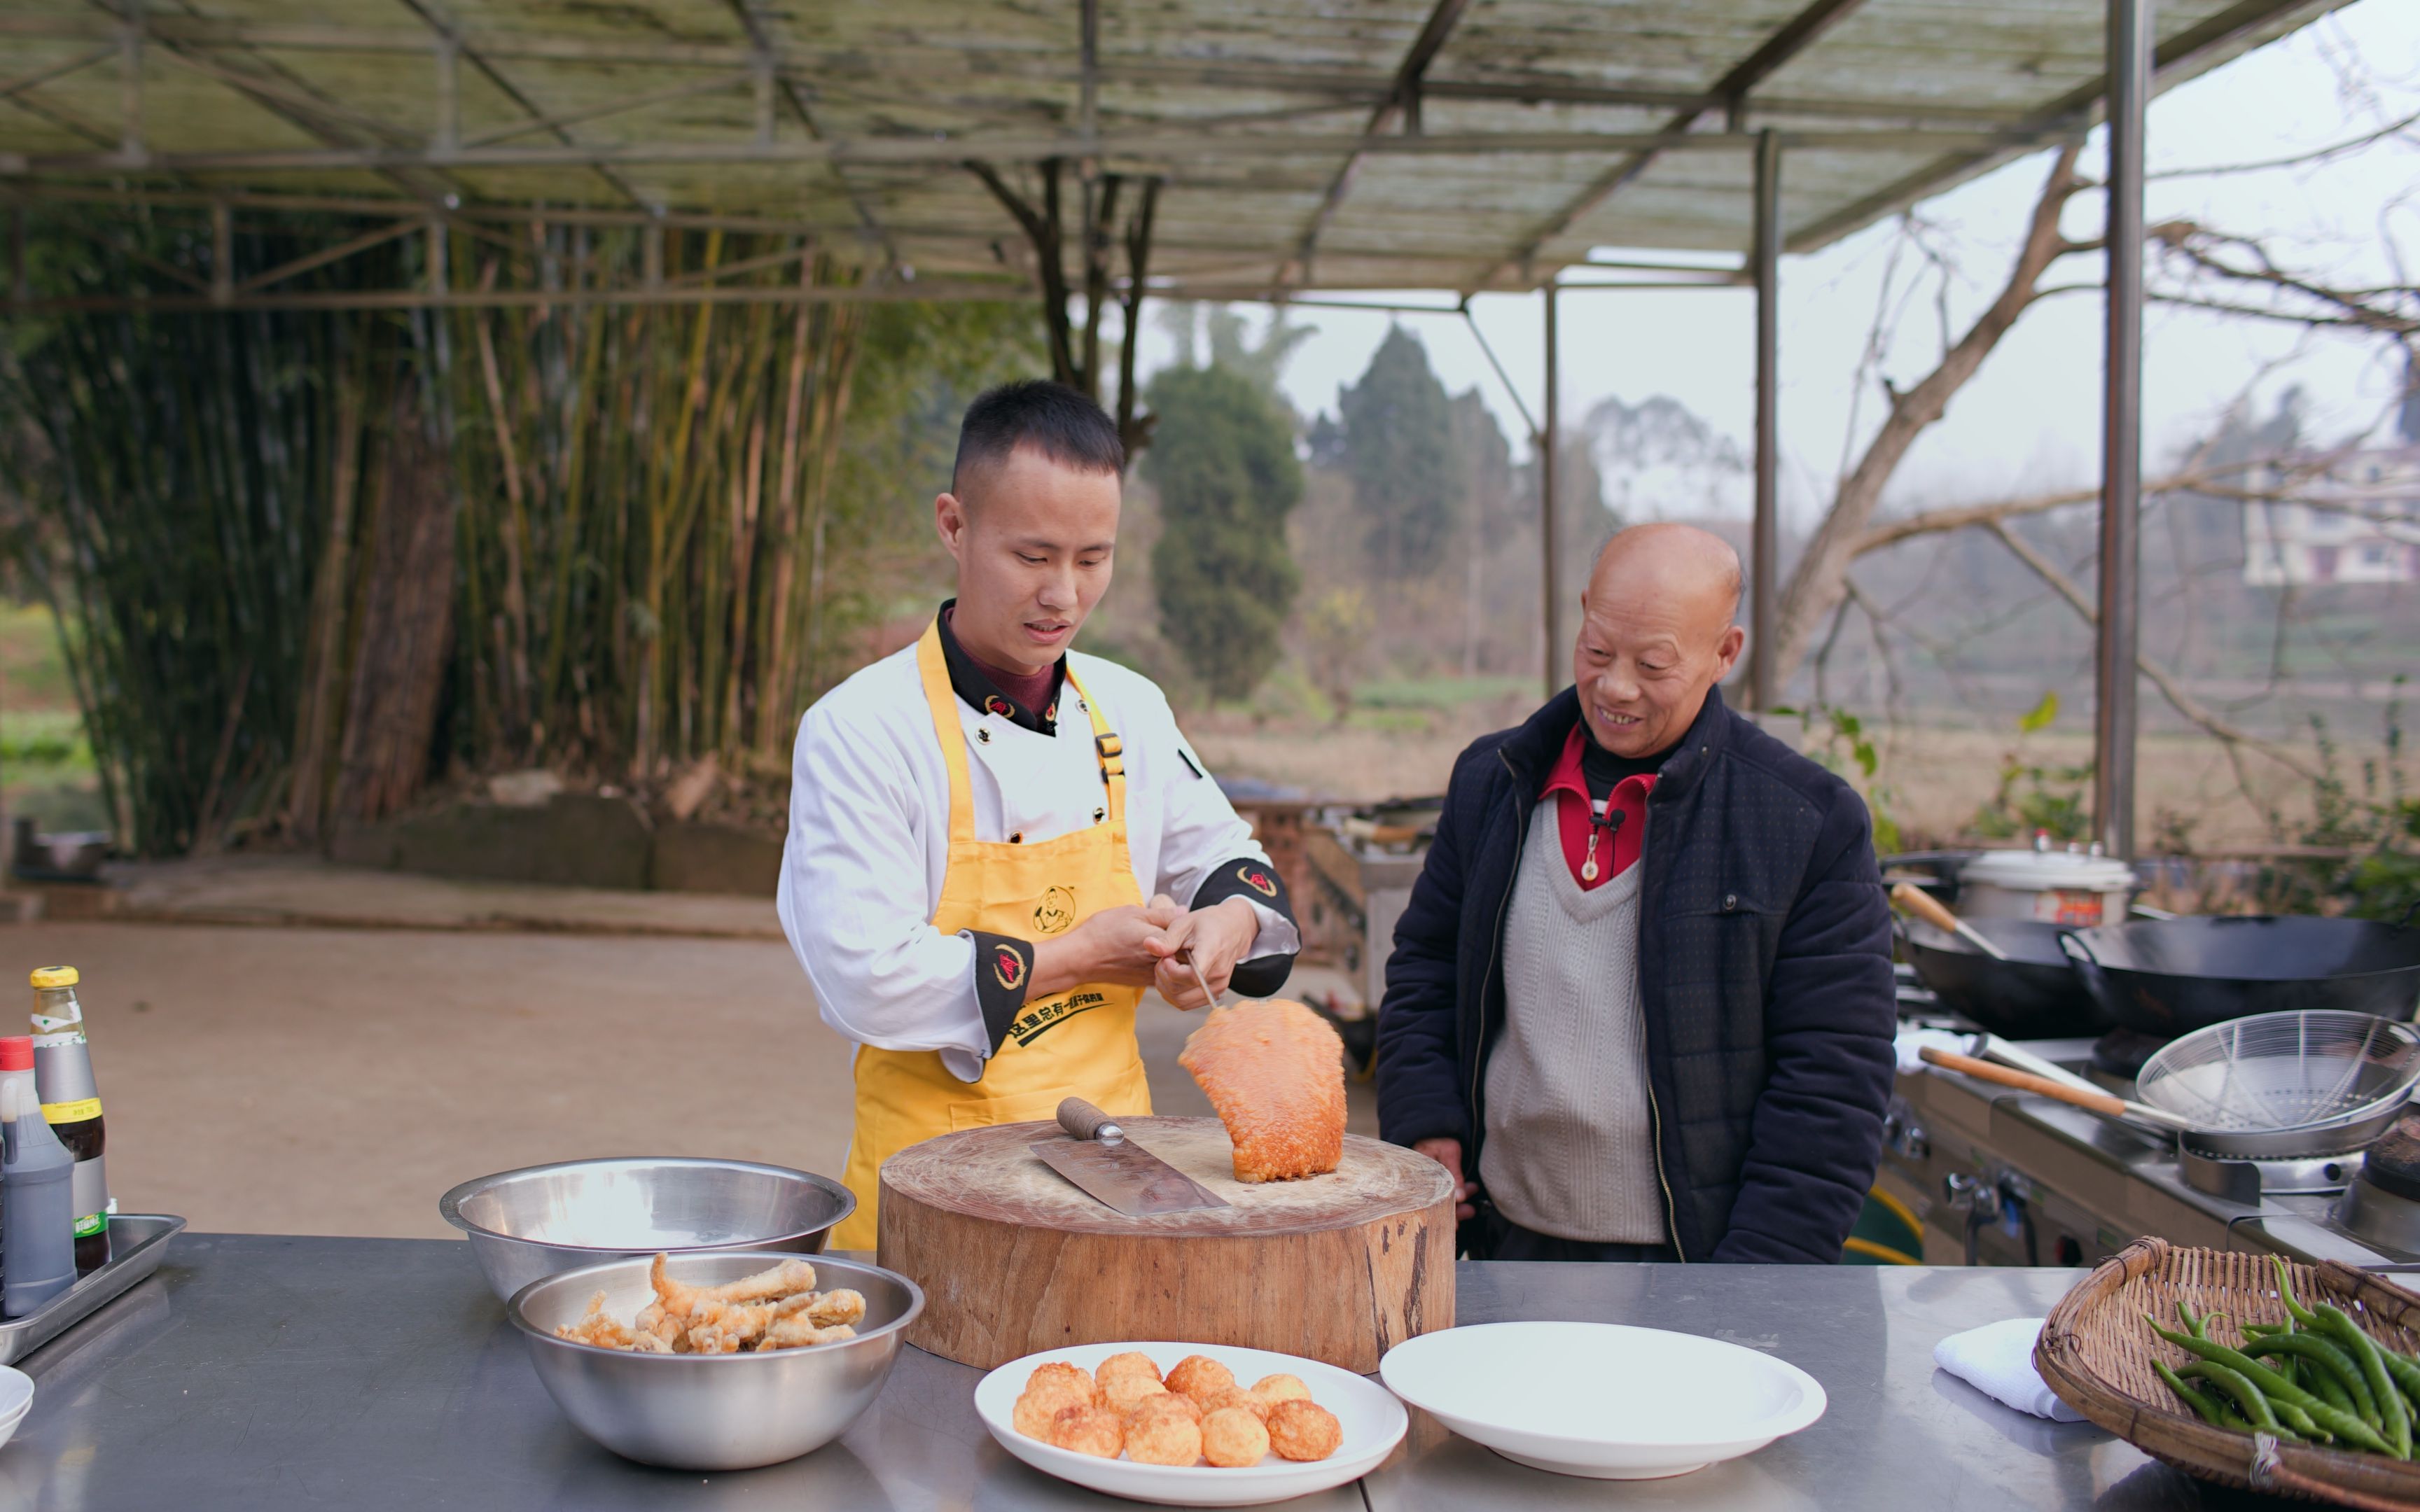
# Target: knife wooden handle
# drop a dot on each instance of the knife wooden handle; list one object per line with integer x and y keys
{"x": 1082, "y": 1119}
{"x": 2023, "y": 1081}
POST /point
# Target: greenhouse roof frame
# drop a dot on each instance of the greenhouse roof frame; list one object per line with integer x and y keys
{"x": 1465, "y": 145}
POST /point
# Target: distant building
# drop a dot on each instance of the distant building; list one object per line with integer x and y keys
{"x": 2361, "y": 524}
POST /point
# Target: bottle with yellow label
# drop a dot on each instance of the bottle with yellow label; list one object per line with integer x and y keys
{"x": 71, "y": 1105}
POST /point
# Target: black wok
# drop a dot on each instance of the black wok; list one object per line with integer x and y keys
{"x": 2034, "y": 994}
{"x": 2168, "y": 977}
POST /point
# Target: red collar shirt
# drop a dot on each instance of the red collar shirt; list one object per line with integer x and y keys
{"x": 1599, "y": 847}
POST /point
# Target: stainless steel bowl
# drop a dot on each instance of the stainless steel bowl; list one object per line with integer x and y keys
{"x": 712, "y": 1411}
{"x": 542, "y": 1219}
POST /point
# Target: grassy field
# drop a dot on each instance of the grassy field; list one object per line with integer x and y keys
{"x": 46, "y": 770}
{"x": 1401, "y": 737}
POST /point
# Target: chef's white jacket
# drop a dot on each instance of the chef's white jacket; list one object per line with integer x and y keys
{"x": 870, "y": 833}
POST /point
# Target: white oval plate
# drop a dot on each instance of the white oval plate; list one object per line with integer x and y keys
{"x": 1603, "y": 1399}
{"x": 1373, "y": 1421}
{"x": 16, "y": 1400}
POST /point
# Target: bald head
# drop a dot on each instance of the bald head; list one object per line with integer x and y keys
{"x": 1680, "y": 562}
{"x": 1657, "y": 629}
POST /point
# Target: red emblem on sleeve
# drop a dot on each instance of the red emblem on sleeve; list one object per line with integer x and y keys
{"x": 1009, "y": 967}
{"x": 1258, "y": 880}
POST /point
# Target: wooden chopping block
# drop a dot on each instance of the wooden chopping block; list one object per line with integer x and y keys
{"x": 1013, "y": 1258}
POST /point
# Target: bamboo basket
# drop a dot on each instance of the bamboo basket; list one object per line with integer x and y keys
{"x": 2096, "y": 1353}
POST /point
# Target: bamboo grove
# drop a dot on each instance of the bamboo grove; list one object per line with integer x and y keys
{"x": 302, "y": 560}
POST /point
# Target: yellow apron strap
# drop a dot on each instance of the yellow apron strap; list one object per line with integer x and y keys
{"x": 935, "y": 670}
{"x": 1111, "y": 750}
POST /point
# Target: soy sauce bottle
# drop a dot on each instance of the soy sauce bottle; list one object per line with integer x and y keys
{"x": 71, "y": 1105}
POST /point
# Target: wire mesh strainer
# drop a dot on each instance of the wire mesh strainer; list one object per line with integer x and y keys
{"x": 2309, "y": 1069}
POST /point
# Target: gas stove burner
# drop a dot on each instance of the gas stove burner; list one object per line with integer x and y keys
{"x": 2247, "y": 1180}
{"x": 2122, "y": 1052}
{"x": 2383, "y": 1204}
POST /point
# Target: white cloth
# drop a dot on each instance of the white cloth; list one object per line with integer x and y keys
{"x": 869, "y": 839}
{"x": 1999, "y": 1361}
{"x": 1911, "y": 1042}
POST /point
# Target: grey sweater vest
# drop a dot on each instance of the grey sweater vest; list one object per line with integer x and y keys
{"x": 1570, "y": 1147}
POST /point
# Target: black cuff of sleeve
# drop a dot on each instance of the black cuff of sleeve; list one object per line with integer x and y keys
{"x": 1256, "y": 881}
{"x": 1004, "y": 971}
{"x": 1248, "y": 877}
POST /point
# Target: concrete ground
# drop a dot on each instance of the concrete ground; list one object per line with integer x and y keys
{"x": 337, "y": 1081}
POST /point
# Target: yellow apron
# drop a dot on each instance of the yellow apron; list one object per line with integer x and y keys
{"x": 1080, "y": 1044}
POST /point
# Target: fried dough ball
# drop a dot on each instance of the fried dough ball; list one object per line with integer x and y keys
{"x": 1133, "y": 1362}
{"x": 1272, "y": 1390}
{"x": 1121, "y": 1392}
{"x": 1235, "y": 1396}
{"x": 1301, "y": 1428}
{"x": 1200, "y": 1377}
{"x": 1233, "y": 1438}
{"x": 1044, "y": 1399}
{"x": 1089, "y": 1430}
{"x": 1076, "y": 1376}
{"x": 1166, "y": 1434}
{"x": 1166, "y": 1403}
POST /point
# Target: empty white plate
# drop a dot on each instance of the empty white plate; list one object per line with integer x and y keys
{"x": 16, "y": 1400}
{"x": 1372, "y": 1423}
{"x": 1603, "y": 1399}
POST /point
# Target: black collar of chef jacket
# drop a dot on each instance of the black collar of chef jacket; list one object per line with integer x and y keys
{"x": 980, "y": 692}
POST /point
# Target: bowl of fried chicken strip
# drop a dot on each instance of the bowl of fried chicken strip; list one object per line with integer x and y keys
{"x": 716, "y": 1361}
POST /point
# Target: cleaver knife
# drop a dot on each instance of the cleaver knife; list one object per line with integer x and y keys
{"x": 1114, "y": 1170}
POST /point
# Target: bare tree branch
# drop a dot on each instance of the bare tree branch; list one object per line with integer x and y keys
{"x": 1816, "y": 583}
{"x": 2183, "y": 701}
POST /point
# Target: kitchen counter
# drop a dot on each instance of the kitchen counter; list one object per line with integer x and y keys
{"x": 269, "y": 1372}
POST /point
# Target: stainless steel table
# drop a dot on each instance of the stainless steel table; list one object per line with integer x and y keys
{"x": 264, "y": 1372}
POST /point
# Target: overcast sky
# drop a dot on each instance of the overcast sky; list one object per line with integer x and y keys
{"x": 2030, "y": 418}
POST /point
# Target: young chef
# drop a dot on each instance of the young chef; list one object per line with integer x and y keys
{"x": 977, "y": 821}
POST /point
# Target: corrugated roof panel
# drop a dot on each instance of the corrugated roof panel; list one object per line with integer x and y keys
{"x": 937, "y": 77}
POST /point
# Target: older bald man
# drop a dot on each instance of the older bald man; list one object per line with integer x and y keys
{"x": 1640, "y": 1003}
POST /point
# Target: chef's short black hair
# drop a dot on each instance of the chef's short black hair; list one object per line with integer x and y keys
{"x": 1052, "y": 418}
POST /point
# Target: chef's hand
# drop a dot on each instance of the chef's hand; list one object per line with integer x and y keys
{"x": 1213, "y": 938}
{"x": 1448, "y": 1153}
{"x": 1113, "y": 946}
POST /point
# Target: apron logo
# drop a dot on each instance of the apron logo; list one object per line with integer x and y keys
{"x": 1258, "y": 880}
{"x": 1008, "y": 966}
{"x": 1055, "y": 912}
{"x": 994, "y": 704}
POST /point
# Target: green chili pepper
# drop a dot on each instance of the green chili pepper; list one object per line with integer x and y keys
{"x": 2364, "y": 1350}
{"x": 2204, "y": 1406}
{"x": 2256, "y": 1407}
{"x": 2193, "y": 1325}
{"x": 2345, "y": 1426}
{"x": 2294, "y": 1310}
{"x": 2404, "y": 1371}
{"x": 2329, "y": 1363}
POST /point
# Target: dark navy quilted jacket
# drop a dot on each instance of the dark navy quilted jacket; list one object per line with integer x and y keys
{"x": 1764, "y": 968}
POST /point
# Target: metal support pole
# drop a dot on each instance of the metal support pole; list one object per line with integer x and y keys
{"x": 130, "y": 86}
{"x": 449, "y": 95}
{"x": 1764, "y": 615}
{"x": 651, "y": 255}
{"x": 1549, "y": 553}
{"x": 761, "y": 67}
{"x": 2122, "y": 432}
{"x": 222, "y": 254}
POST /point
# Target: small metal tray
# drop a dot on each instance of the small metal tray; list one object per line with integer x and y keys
{"x": 137, "y": 1241}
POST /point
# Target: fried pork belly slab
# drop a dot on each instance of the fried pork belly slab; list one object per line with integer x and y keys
{"x": 1274, "y": 1071}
